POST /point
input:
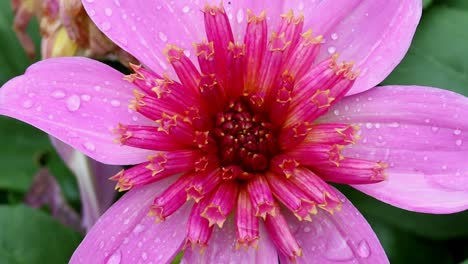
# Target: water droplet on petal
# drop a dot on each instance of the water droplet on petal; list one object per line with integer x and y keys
{"x": 458, "y": 142}
{"x": 27, "y": 104}
{"x": 434, "y": 129}
{"x": 162, "y": 36}
{"x": 144, "y": 255}
{"x": 240, "y": 15}
{"x": 89, "y": 146}
{"x": 97, "y": 88}
{"x": 334, "y": 36}
{"x": 58, "y": 94}
{"x": 106, "y": 26}
{"x": 73, "y": 103}
{"x": 108, "y": 11}
{"x": 331, "y": 49}
{"x": 101, "y": 244}
{"x": 115, "y": 258}
{"x": 115, "y": 103}
{"x": 457, "y": 132}
{"x": 306, "y": 229}
{"x": 86, "y": 97}
{"x": 138, "y": 229}
{"x": 186, "y": 9}
{"x": 363, "y": 249}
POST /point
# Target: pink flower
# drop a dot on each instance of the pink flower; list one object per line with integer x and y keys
{"x": 251, "y": 122}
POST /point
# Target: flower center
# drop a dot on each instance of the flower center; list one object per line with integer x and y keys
{"x": 244, "y": 137}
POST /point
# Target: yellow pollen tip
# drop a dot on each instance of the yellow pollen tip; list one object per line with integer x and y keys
{"x": 252, "y": 18}
{"x": 173, "y": 53}
{"x": 134, "y": 67}
{"x": 205, "y": 49}
{"x": 213, "y": 9}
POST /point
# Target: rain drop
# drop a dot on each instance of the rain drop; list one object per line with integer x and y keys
{"x": 73, "y": 103}
{"x": 457, "y": 132}
{"x": 115, "y": 258}
{"x": 108, "y": 11}
{"x": 186, "y": 9}
{"x": 434, "y": 129}
{"x": 162, "y": 37}
{"x": 394, "y": 124}
{"x": 86, "y": 97}
{"x": 138, "y": 229}
{"x": 58, "y": 94}
{"x": 363, "y": 249}
{"x": 115, "y": 103}
{"x": 27, "y": 104}
{"x": 458, "y": 142}
{"x": 106, "y": 26}
{"x": 306, "y": 229}
{"x": 331, "y": 49}
{"x": 334, "y": 36}
{"x": 89, "y": 146}
{"x": 240, "y": 16}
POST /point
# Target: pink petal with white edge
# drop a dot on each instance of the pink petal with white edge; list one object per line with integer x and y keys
{"x": 344, "y": 237}
{"x": 222, "y": 249}
{"x": 422, "y": 134}
{"x": 79, "y": 101}
{"x": 376, "y": 34}
{"x": 126, "y": 234}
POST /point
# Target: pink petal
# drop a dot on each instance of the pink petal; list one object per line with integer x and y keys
{"x": 96, "y": 191}
{"x": 144, "y": 28}
{"x": 126, "y": 234}
{"x": 222, "y": 249}
{"x": 344, "y": 237}
{"x": 77, "y": 100}
{"x": 375, "y": 34}
{"x": 422, "y": 134}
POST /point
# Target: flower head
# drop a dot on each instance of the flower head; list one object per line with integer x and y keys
{"x": 253, "y": 122}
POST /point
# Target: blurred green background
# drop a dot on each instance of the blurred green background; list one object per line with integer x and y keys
{"x": 438, "y": 57}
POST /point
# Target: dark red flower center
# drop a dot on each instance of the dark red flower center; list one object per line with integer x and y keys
{"x": 244, "y": 136}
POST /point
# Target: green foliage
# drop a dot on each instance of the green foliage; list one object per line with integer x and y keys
{"x": 13, "y": 59}
{"x": 29, "y": 236}
{"x": 24, "y": 149}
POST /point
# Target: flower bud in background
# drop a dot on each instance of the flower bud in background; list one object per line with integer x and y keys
{"x": 66, "y": 30}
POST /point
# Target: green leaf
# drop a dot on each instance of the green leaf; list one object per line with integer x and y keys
{"x": 29, "y": 236}
{"x": 438, "y": 56}
{"x": 426, "y": 3}
{"x": 461, "y": 4}
{"x": 13, "y": 59}
{"x": 425, "y": 225}
{"x": 403, "y": 247}
{"x": 22, "y": 148}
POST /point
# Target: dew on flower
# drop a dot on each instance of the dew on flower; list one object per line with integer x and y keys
{"x": 237, "y": 134}
{"x": 73, "y": 103}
